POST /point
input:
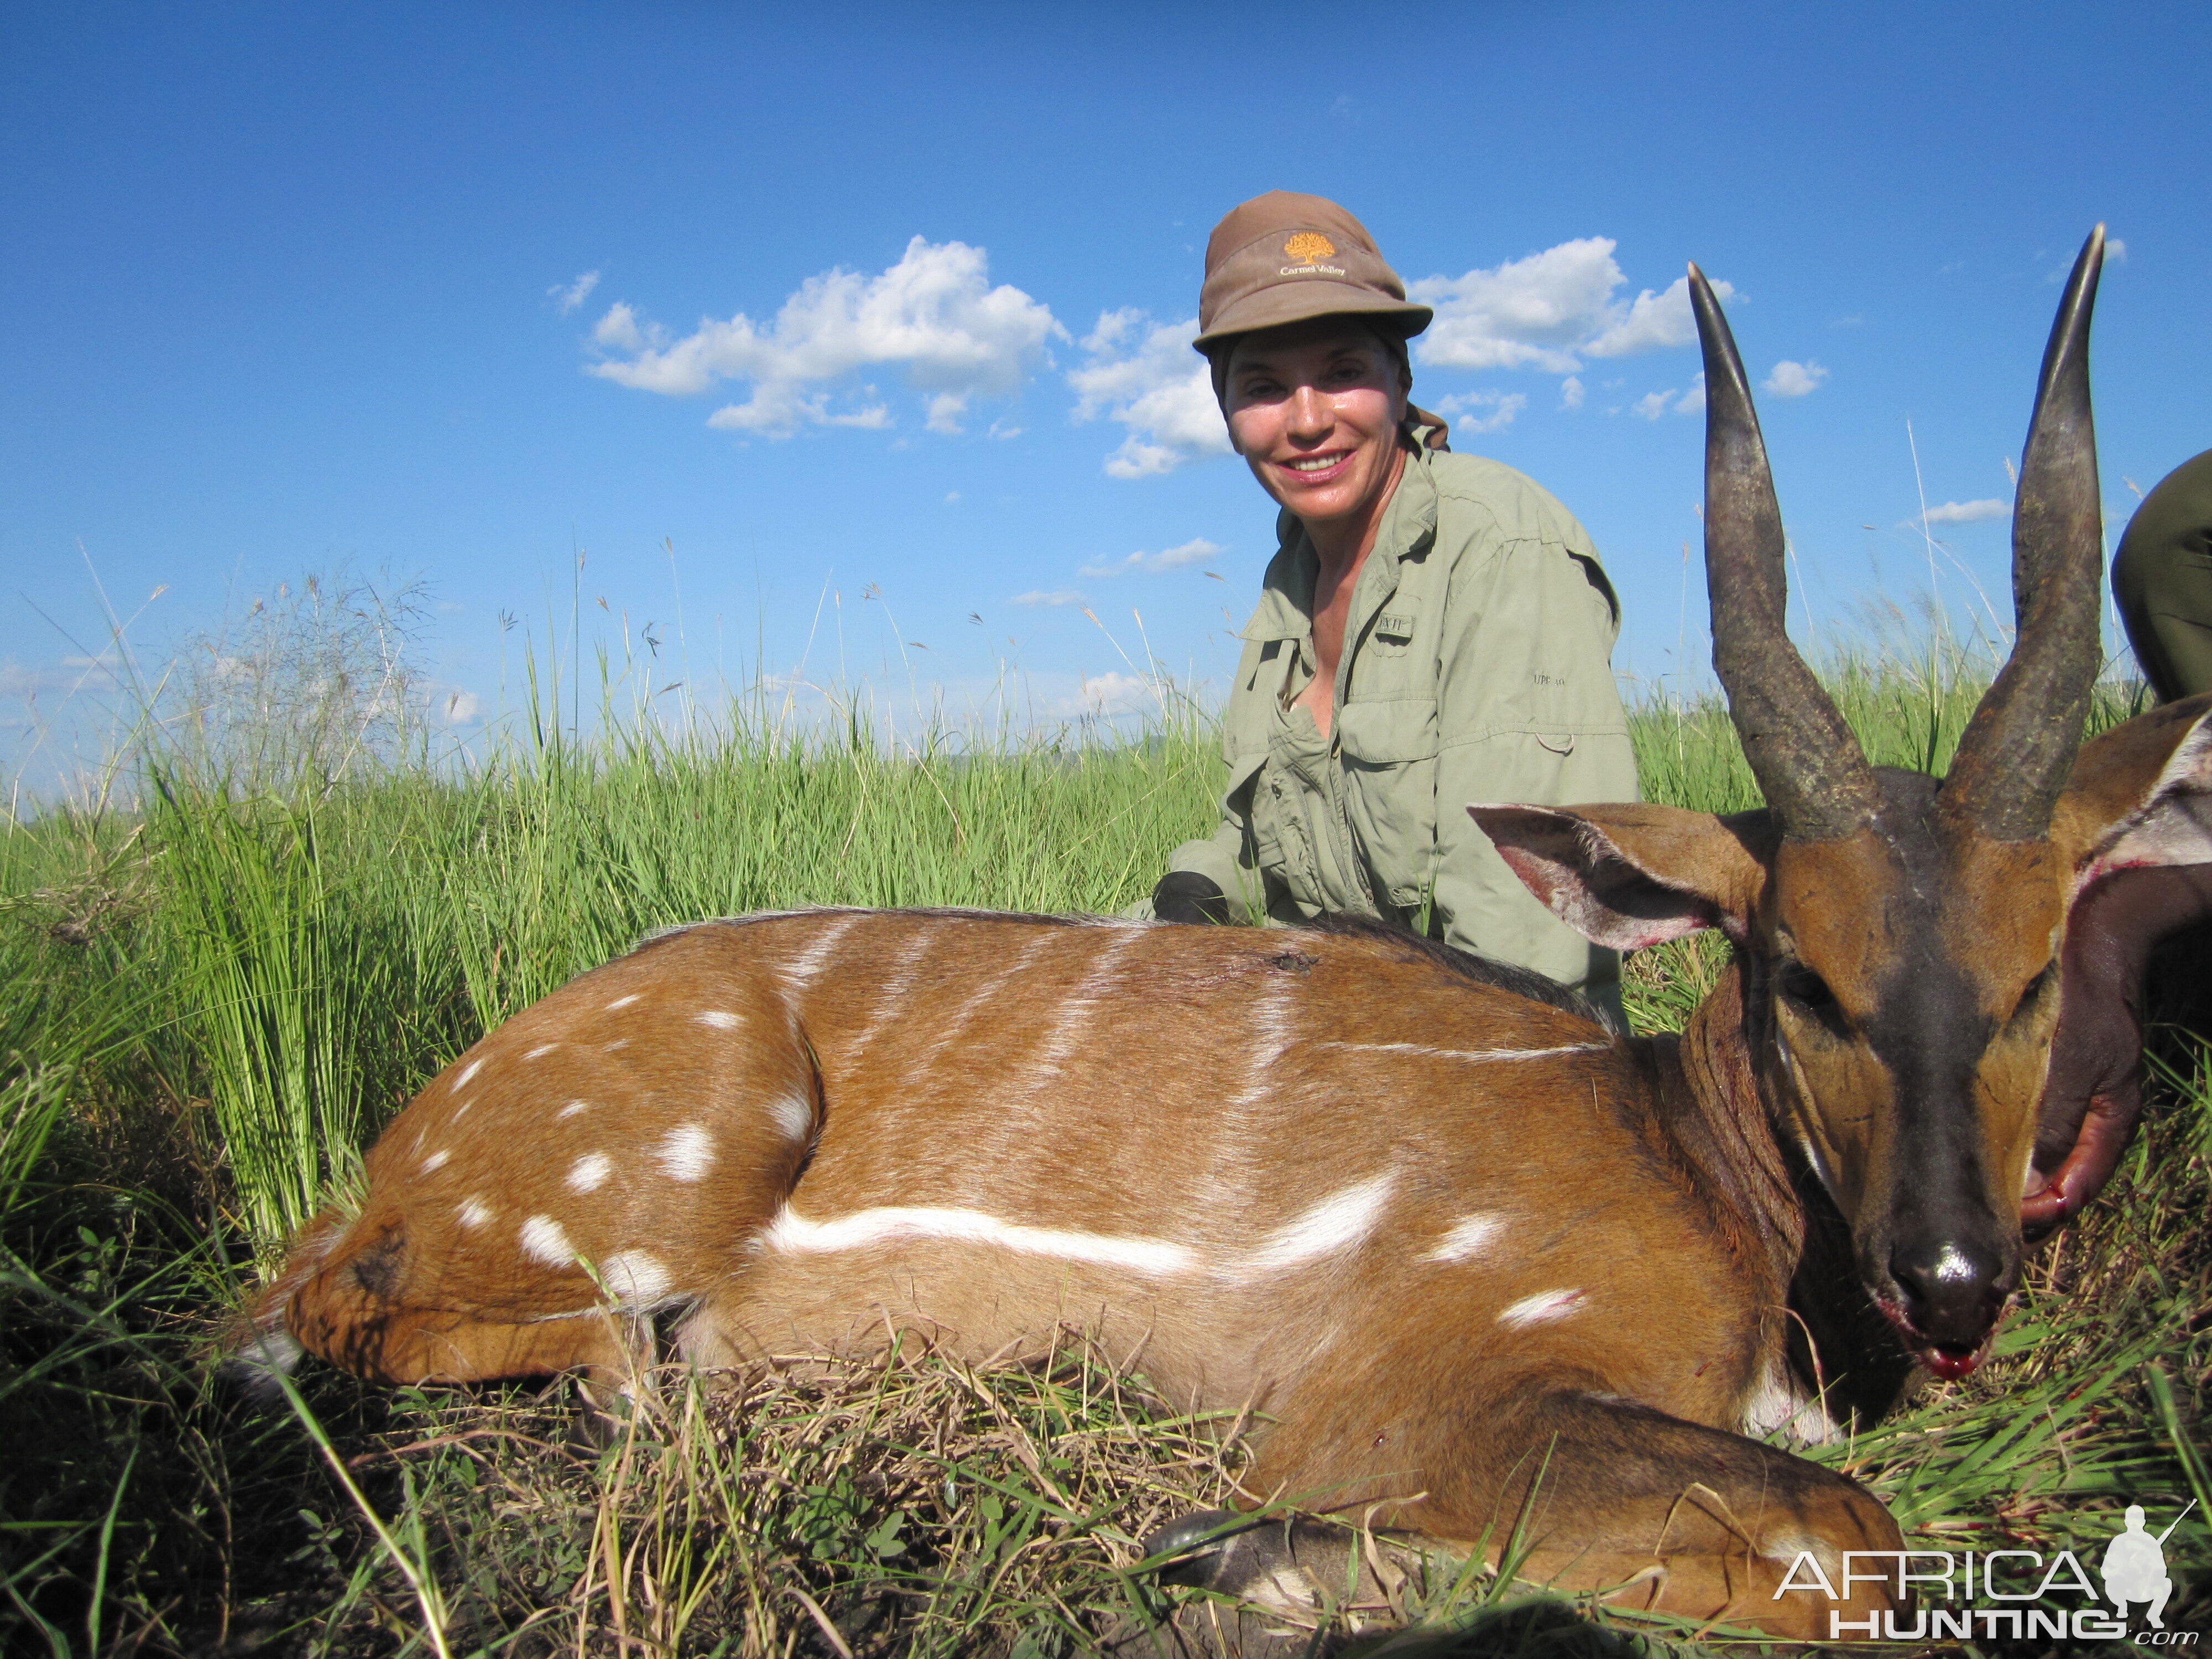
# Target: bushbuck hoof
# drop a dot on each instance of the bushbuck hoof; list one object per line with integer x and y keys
{"x": 1304, "y": 1584}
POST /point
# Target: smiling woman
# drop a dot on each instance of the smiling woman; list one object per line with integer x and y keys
{"x": 1435, "y": 629}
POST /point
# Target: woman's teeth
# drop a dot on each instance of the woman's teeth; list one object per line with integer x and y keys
{"x": 1315, "y": 464}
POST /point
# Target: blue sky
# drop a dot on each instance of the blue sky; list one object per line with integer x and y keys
{"x": 861, "y": 301}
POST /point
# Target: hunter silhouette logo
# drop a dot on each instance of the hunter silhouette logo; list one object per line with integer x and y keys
{"x": 1309, "y": 247}
{"x": 2135, "y": 1567}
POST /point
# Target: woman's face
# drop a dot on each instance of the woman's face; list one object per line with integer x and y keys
{"x": 1314, "y": 410}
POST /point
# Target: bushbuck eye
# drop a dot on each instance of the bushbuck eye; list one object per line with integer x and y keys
{"x": 1811, "y": 994}
{"x": 2037, "y": 987}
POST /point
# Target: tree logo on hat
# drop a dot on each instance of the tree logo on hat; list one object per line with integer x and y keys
{"x": 1309, "y": 247}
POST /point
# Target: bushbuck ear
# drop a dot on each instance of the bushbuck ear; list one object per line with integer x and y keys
{"x": 1631, "y": 876}
{"x": 2141, "y": 795}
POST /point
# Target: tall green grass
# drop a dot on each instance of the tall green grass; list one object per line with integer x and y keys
{"x": 211, "y": 997}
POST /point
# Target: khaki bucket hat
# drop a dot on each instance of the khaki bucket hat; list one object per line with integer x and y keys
{"x": 1283, "y": 257}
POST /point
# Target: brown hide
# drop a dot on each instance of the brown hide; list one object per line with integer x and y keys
{"x": 1333, "y": 1175}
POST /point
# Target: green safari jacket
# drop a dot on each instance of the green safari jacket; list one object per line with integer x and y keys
{"x": 1476, "y": 668}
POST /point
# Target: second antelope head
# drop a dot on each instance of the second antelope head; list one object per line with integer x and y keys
{"x": 1897, "y": 935}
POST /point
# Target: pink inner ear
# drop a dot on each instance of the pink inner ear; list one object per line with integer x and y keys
{"x": 1588, "y": 882}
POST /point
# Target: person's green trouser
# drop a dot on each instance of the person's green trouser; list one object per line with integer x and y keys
{"x": 2162, "y": 579}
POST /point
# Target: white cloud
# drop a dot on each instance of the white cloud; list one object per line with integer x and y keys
{"x": 569, "y": 296}
{"x": 1791, "y": 379}
{"x": 1652, "y": 405}
{"x": 1110, "y": 693}
{"x": 2116, "y": 250}
{"x": 1173, "y": 558}
{"x": 1962, "y": 513}
{"x": 1037, "y": 596}
{"x": 945, "y": 411}
{"x": 1503, "y": 406}
{"x": 1145, "y": 376}
{"x": 1570, "y": 392}
{"x": 1549, "y": 310}
{"x": 456, "y": 707}
{"x": 619, "y": 331}
{"x": 934, "y": 314}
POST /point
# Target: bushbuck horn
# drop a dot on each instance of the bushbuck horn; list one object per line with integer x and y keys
{"x": 1807, "y": 760}
{"x": 2013, "y": 760}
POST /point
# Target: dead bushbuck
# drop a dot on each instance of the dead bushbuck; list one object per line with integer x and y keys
{"x": 1429, "y": 1215}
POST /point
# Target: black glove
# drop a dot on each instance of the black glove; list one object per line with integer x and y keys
{"x": 1186, "y": 895}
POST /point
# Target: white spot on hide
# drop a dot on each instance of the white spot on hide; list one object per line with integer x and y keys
{"x": 635, "y": 1278}
{"x": 792, "y": 1234}
{"x": 270, "y": 1352}
{"x": 619, "y": 1042}
{"x": 573, "y": 1108}
{"x": 472, "y": 1213}
{"x": 794, "y": 1116}
{"x": 542, "y": 1049}
{"x": 624, "y": 1002}
{"x": 1469, "y": 1236}
{"x": 436, "y": 1161}
{"x": 688, "y": 1153}
{"x": 1338, "y": 1223}
{"x": 467, "y": 1072}
{"x": 590, "y": 1170}
{"x": 720, "y": 1019}
{"x": 1779, "y": 1404}
{"x": 1541, "y": 1309}
{"x": 543, "y": 1240}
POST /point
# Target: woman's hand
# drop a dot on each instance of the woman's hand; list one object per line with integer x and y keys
{"x": 1186, "y": 895}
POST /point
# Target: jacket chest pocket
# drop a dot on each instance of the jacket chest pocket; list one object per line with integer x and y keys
{"x": 1389, "y": 752}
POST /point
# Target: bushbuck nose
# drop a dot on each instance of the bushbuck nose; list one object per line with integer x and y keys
{"x": 1951, "y": 1287}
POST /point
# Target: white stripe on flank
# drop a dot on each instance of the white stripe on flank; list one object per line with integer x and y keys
{"x": 467, "y": 1072}
{"x": 1542, "y": 1308}
{"x": 792, "y": 1234}
{"x": 1479, "y": 1056}
{"x": 634, "y": 1277}
{"x": 688, "y": 1153}
{"x": 1273, "y": 1031}
{"x": 801, "y": 970}
{"x": 1338, "y": 1223}
{"x": 624, "y": 1002}
{"x": 891, "y": 992}
{"x": 721, "y": 1019}
{"x": 792, "y": 1116}
{"x": 1074, "y": 1021}
{"x": 953, "y": 1032}
{"x": 542, "y": 1049}
{"x": 543, "y": 1240}
{"x": 591, "y": 1170}
{"x": 1469, "y": 1236}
